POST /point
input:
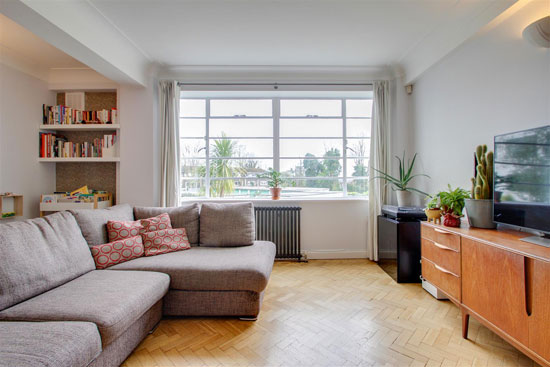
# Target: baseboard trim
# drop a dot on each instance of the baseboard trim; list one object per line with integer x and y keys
{"x": 335, "y": 254}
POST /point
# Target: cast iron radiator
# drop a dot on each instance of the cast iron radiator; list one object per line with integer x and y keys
{"x": 280, "y": 225}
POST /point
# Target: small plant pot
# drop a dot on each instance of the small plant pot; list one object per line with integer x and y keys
{"x": 434, "y": 215}
{"x": 404, "y": 198}
{"x": 275, "y": 193}
{"x": 451, "y": 220}
{"x": 480, "y": 213}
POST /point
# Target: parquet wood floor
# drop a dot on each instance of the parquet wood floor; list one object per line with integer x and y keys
{"x": 331, "y": 313}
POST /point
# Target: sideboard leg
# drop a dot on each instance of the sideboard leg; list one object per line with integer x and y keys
{"x": 465, "y": 323}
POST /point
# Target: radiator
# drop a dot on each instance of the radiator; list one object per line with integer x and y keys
{"x": 280, "y": 225}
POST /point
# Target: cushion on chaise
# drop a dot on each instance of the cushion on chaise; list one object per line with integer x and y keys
{"x": 184, "y": 216}
{"x": 227, "y": 224}
{"x": 93, "y": 222}
{"x": 113, "y": 300}
{"x": 48, "y": 344}
{"x": 39, "y": 254}
{"x": 245, "y": 268}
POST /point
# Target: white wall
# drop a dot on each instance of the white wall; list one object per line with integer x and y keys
{"x": 495, "y": 83}
{"x": 21, "y": 100}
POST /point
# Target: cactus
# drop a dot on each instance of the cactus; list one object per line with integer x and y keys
{"x": 482, "y": 184}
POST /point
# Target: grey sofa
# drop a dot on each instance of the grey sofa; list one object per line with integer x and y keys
{"x": 57, "y": 310}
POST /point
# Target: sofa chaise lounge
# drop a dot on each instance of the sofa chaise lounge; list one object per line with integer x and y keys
{"x": 56, "y": 309}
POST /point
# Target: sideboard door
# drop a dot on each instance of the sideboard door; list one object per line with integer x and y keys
{"x": 539, "y": 322}
{"x": 493, "y": 286}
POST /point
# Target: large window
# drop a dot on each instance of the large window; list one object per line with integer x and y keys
{"x": 320, "y": 146}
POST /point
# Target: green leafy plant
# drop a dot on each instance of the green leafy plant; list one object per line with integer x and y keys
{"x": 452, "y": 201}
{"x": 275, "y": 179}
{"x": 401, "y": 183}
{"x": 434, "y": 202}
{"x": 220, "y": 167}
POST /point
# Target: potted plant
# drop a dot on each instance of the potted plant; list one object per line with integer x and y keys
{"x": 433, "y": 209}
{"x": 480, "y": 207}
{"x": 452, "y": 204}
{"x": 401, "y": 183}
{"x": 274, "y": 183}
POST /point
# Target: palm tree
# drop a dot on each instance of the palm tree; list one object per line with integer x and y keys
{"x": 223, "y": 148}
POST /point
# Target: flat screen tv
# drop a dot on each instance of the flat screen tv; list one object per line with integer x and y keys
{"x": 522, "y": 179}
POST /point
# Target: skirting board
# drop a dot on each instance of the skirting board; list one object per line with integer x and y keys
{"x": 335, "y": 254}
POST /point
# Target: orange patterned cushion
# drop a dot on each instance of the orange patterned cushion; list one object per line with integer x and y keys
{"x": 119, "y": 230}
{"x": 164, "y": 241}
{"x": 117, "y": 252}
{"x": 159, "y": 222}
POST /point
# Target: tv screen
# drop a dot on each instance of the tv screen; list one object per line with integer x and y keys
{"x": 522, "y": 179}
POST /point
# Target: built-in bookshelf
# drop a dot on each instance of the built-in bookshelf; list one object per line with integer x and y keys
{"x": 83, "y": 143}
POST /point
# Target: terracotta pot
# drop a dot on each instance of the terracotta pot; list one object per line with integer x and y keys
{"x": 275, "y": 193}
{"x": 434, "y": 215}
{"x": 451, "y": 220}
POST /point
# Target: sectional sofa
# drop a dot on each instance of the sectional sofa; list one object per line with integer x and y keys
{"x": 57, "y": 310}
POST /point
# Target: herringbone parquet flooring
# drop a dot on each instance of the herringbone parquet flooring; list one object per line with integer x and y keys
{"x": 331, "y": 313}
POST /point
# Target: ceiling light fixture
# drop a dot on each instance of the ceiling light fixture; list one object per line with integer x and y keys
{"x": 538, "y": 33}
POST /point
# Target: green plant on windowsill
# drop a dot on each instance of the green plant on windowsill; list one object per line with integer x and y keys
{"x": 275, "y": 181}
{"x": 401, "y": 183}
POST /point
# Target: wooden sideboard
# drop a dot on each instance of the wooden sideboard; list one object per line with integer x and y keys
{"x": 502, "y": 282}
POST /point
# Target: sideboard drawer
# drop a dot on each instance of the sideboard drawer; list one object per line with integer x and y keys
{"x": 442, "y": 278}
{"x": 442, "y": 237}
{"x": 444, "y": 256}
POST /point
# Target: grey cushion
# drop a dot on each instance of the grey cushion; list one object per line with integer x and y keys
{"x": 113, "y": 300}
{"x": 48, "y": 344}
{"x": 227, "y": 224}
{"x": 185, "y": 216}
{"x": 93, "y": 222}
{"x": 245, "y": 268}
{"x": 40, "y": 254}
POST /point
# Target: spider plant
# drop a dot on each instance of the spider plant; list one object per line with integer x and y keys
{"x": 401, "y": 183}
{"x": 452, "y": 201}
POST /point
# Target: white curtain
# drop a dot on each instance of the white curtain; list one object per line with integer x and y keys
{"x": 169, "y": 144}
{"x": 380, "y": 159}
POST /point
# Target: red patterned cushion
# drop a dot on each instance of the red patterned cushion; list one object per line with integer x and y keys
{"x": 159, "y": 222}
{"x": 119, "y": 230}
{"x": 117, "y": 252}
{"x": 164, "y": 241}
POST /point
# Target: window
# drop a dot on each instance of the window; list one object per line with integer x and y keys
{"x": 320, "y": 146}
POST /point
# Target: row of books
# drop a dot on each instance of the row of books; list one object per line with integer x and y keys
{"x": 57, "y": 146}
{"x": 63, "y": 115}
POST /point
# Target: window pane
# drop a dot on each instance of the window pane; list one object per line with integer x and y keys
{"x": 358, "y": 187}
{"x": 311, "y": 128}
{"x": 193, "y": 147}
{"x": 239, "y": 167}
{"x": 225, "y": 147}
{"x": 241, "y": 127}
{"x": 192, "y": 108}
{"x": 193, "y": 188}
{"x": 358, "y": 167}
{"x": 247, "y": 107}
{"x": 311, "y": 167}
{"x": 359, "y": 128}
{"x": 193, "y": 167}
{"x": 311, "y": 107}
{"x": 239, "y": 188}
{"x": 358, "y": 147}
{"x": 310, "y": 147}
{"x": 192, "y": 128}
{"x": 313, "y": 188}
{"x": 359, "y": 107}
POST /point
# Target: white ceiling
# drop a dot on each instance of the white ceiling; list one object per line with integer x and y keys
{"x": 283, "y": 32}
{"x": 19, "y": 42}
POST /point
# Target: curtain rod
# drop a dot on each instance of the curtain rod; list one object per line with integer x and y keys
{"x": 282, "y": 84}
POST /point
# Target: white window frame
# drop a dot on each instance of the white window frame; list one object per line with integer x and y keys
{"x": 276, "y": 117}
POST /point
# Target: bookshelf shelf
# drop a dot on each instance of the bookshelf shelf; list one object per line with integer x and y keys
{"x": 80, "y": 159}
{"x": 81, "y": 127}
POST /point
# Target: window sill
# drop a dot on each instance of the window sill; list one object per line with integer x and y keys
{"x": 282, "y": 200}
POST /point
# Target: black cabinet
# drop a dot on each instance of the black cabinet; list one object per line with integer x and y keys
{"x": 399, "y": 229}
